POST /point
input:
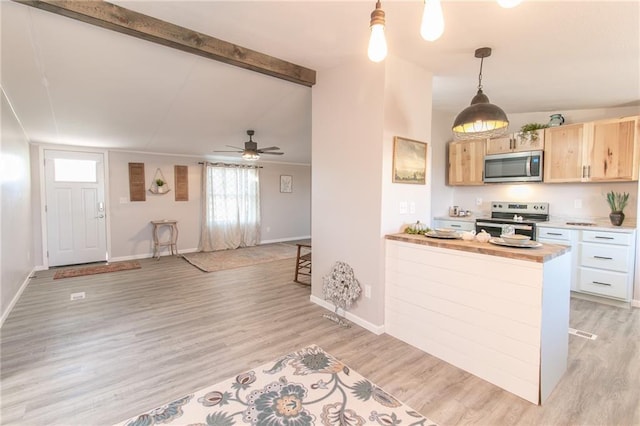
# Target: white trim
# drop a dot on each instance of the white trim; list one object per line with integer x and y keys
{"x": 635, "y": 303}
{"x": 281, "y": 240}
{"x": 6, "y": 313}
{"x": 375, "y": 329}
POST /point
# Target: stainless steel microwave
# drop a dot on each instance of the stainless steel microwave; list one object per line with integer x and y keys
{"x": 513, "y": 167}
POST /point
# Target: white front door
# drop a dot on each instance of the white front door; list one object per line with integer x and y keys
{"x": 75, "y": 207}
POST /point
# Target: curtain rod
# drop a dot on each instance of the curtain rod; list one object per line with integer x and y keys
{"x": 231, "y": 165}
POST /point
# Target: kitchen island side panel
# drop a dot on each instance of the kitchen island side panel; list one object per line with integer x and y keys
{"x": 479, "y": 312}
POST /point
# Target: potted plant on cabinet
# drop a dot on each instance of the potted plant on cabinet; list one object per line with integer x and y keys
{"x": 617, "y": 202}
{"x": 530, "y": 131}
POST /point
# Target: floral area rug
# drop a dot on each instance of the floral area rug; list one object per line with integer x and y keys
{"x": 99, "y": 269}
{"x": 238, "y": 258}
{"x": 307, "y": 387}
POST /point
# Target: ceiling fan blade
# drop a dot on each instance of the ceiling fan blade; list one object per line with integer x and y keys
{"x": 235, "y": 147}
{"x": 229, "y": 151}
{"x": 269, "y": 148}
{"x": 270, "y": 153}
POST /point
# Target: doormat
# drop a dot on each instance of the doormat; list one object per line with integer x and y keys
{"x": 99, "y": 269}
{"x": 307, "y": 387}
{"x": 238, "y": 258}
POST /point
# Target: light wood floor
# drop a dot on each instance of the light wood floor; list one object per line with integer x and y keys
{"x": 145, "y": 337}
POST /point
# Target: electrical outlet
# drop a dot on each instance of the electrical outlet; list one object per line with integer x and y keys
{"x": 367, "y": 291}
{"x": 577, "y": 203}
{"x": 403, "y": 207}
{"x": 412, "y": 207}
{"x": 478, "y": 201}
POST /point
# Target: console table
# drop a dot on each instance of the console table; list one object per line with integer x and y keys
{"x": 172, "y": 243}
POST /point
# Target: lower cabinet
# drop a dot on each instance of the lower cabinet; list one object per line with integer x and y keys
{"x": 460, "y": 225}
{"x": 566, "y": 237}
{"x": 606, "y": 264}
{"x": 602, "y": 262}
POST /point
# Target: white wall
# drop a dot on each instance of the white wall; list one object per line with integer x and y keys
{"x": 284, "y": 216}
{"x": 16, "y": 250}
{"x": 357, "y": 108}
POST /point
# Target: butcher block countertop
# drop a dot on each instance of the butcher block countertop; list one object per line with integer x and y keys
{"x": 536, "y": 254}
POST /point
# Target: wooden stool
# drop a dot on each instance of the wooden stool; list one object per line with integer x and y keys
{"x": 303, "y": 264}
{"x": 173, "y": 237}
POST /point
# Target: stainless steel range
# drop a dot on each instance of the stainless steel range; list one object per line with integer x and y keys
{"x": 522, "y": 216}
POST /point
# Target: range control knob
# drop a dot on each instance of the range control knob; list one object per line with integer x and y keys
{"x": 535, "y": 207}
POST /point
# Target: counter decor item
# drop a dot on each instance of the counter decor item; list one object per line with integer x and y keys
{"x": 556, "y": 120}
{"x": 341, "y": 288}
{"x": 529, "y": 131}
{"x": 417, "y": 228}
{"x": 617, "y": 202}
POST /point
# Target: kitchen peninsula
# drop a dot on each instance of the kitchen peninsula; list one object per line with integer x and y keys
{"x": 497, "y": 312}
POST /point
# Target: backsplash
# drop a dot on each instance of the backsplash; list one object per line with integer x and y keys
{"x": 579, "y": 200}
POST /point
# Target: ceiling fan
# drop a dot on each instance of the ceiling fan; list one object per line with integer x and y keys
{"x": 251, "y": 150}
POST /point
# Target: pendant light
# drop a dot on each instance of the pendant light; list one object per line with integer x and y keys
{"x": 377, "y": 42}
{"x": 481, "y": 119}
{"x": 432, "y": 25}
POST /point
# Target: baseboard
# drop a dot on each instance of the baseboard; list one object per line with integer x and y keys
{"x": 635, "y": 303}
{"x": 148, "y": 255}
{"x": 282, "y": 240}
{"x": 603, "y": 300}
{"x": 15, "y": 299}
{"x": 375, "y": 329}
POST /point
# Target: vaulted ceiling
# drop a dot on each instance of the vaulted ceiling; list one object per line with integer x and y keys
{"x": 73, "y": 83}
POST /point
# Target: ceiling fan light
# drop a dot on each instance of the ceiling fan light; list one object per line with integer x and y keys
{"x": 432, "y": 26}
{"x": 250, "y": 155}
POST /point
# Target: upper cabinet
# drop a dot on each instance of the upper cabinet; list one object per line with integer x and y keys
{"x": 466, "y": 162}
{"x": 600, "y": 151}
{"x": 515, "y": 142}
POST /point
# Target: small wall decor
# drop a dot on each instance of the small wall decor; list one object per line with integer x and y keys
{"x": 136, "y": 182}
{"x": 159, "y": 184}
{"x": 181, "y": 177}
{"x": 341, "y": 288}
{"x": 409, "y": 161}
{"x": 286, "y": 183}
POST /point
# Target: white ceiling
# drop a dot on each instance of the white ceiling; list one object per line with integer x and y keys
{"x": 74, "y": 83}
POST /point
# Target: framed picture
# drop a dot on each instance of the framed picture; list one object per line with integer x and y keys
{"x": 409, "y": 161}
{"x": 286, "y": 183}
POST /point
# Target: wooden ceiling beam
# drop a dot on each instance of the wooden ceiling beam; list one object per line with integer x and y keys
{"x": 116, "y": 18}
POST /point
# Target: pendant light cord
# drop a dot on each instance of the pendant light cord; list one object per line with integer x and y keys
{"x": 480, "y": 75}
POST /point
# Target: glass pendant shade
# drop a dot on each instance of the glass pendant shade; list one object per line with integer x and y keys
{"x": 432, "y": 25}
{"x": 377, "y": 42}
{"x": 480, "y": 120}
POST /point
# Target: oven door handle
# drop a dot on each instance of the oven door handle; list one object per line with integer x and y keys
{"x": 500, "y": 225}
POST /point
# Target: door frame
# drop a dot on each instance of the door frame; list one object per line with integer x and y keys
{"x": 43, "y": 194}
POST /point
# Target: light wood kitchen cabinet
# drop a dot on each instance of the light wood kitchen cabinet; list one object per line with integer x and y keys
{"x": 516, "y": 142}
{"x": 599, "y": 151}
{"x": 466, "y": 162}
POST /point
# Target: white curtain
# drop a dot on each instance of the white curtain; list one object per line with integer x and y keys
{"x": 230, "y": 207}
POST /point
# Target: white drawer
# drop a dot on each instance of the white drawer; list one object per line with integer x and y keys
{"x": 613, "y": 258}
{"x": 604, "y": 237}
{"x": 605, "y": 283}
{"x": 455, "y": 224}
{"x": 554, "y": 233}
